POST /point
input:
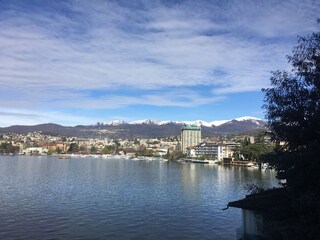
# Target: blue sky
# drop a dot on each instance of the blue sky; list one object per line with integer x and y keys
{"x": 79, "y": 62}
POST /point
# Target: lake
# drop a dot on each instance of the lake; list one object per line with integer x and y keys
{"x": 96, "y": 198}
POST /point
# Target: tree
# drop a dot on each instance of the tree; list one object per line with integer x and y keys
{"x": 74, "y": 148}
{"x": 58, "y": 150}
{"x": 148, "y": 152}
{"x": 93, "y": 149}
{"x": 82, "y": 148}
{"x": 293, "y": 112}
{"x": 253, "y": 152}
{"x": 117, "y": 146}
{"x": 50, "y": 152}
{"x": 9, "y": 148}
{"x": 141, "y": 150}
{"x": 108, "y": 149}
{"x": 175, "y": 154}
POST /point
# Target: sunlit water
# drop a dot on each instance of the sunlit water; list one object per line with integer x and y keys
{"x": 95, "y": 198}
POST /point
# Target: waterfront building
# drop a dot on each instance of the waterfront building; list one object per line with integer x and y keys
{"x": 191, "y": 151}
{"x": 35, "y": 151}
{"x": 190, "y": 136}
{"x": 214, "y": 151}
{"x": 209, "y": 150}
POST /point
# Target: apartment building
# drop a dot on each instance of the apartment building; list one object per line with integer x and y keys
{"x": 190, "y": 136}
{"x": 215, "y": 151}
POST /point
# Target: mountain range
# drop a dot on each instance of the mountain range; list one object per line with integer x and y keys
{"x": 143, "y": 128}
{"x": 196, "y": 122}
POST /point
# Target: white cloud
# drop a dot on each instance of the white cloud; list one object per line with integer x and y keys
{"x": 160, "y": 99}
{"x": 53, "y": 57}
{"x": 17, "y": 116}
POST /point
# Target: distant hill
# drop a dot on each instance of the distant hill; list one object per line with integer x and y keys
{"x": 143, "y": 128}
{"x": 47, "y": 128}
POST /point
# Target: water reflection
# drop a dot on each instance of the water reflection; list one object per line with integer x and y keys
{"x": 45, "y": 198}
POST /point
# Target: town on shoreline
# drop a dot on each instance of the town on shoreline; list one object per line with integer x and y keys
{"x": 235, "y": 149}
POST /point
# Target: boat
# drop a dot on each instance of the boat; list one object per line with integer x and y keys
{"x": 200, "y": 161}
{"x": 213, "y": 161}
{"x": 253, "y": 165}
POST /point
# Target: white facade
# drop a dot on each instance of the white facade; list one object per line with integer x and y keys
{"x": 191, "y": 152}
{"x": 35, "y": 151}
{"x": 162, "y": 151}
{"x": 215, "y": 151}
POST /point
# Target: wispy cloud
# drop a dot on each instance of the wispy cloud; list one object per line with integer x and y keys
{"x": 18, "y": 114}
{"x": 30, "y": 117}
{"x": 57, "y": 53}
{"x": 170, "y": 99}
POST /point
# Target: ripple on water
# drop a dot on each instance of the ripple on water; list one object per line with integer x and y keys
{"x": 46, "y": 198}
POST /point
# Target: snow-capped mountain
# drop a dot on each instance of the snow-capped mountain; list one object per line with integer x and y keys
{"x": 215, "y": 123}
{"x": 257, "y": 121}
{"x": 219, "y": 122}
{"x": 148, "y": 128}
{"x": 247, "y": 118}
{"x": 115, "y": 123}
{"x": 144, "y": 128}
{"x": 150, "y": 122}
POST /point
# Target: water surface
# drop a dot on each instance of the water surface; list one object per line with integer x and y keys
{"x": 95, "y": 198}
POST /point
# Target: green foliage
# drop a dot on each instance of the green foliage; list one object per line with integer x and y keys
{"x": 253, "y": 152}
{"x": 175, "y": 155}
{"x": 74, "y": 148}
{"x": 143, "y": 151}
{"x": 58, "y": 150}
{"x": 117, "y": 146}
{"x": 293, "y": 111}
{"x": 108, "y": 149}
{"x": 82, "y": 148}
{"x": 93, "y": 149}
{"x": 149, "y": 152}
{"x": 9, "y": 148}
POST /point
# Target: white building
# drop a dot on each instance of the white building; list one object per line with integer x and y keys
{"x": 35, "y": 151}
{"x": 215, "y": 151}
{"x": 191, "y": 151}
